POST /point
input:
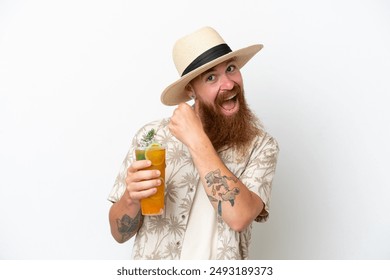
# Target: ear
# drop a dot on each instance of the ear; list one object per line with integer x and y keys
{"x": 190, "y": 91}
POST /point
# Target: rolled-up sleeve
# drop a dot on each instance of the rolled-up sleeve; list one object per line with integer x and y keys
{"x": 260, "y": 171}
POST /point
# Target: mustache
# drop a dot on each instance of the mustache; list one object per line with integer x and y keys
{"x": 225, "y": 95}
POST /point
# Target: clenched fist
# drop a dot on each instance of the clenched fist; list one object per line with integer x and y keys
{"x": 186, "y": 125}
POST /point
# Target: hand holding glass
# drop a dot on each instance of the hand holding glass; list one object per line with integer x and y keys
{"x": 153, "y": 205}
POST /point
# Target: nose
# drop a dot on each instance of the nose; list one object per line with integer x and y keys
{"x": 226, "y": 83}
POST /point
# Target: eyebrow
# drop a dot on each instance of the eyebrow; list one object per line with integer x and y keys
{"x": 213, "y": 69}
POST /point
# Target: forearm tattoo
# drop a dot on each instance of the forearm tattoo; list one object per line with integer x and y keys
{"x": 128, "y": 226}
{"x": 220, "y": 189}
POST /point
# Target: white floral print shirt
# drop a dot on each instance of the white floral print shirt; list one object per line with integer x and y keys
{"x": 161, "y": 237}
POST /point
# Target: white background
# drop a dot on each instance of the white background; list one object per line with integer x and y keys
{"x": 78, "y": 78}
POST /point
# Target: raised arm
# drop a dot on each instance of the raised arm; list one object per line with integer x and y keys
{"x": 232, "y": 200}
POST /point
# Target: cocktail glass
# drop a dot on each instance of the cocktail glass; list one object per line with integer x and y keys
{"x": 153, "y": 205}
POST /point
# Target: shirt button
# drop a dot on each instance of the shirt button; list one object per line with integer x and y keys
{"x": 178, "y": 243}
{"x": 183, "y": 216}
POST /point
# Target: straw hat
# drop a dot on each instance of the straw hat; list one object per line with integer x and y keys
{"x": 198, "y": 52}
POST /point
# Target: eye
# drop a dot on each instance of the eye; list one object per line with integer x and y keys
{"x": 210, "y": 78}
{"x": 231, "y": 68}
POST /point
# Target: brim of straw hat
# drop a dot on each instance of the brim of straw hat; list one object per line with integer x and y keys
{"x": 175, "y": 94}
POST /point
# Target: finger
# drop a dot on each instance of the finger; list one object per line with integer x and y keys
{"x": 144, "y": 185}
{"x": 183, "y": 106}
{"x": 142, "y": 194}
{"x": 139, "y": 164}
{"x": 139, "y": 190}
{"x": 142, "y": 175}
{"x": 196, "y": 106}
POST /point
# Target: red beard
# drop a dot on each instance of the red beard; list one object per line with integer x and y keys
{"x": 236, "y": 131}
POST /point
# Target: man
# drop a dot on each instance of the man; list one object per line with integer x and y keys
{"x": 220, "y": 162}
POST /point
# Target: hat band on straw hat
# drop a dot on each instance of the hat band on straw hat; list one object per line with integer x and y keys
{"x": 198, "y": 52}
{"x": 207, "y": 56}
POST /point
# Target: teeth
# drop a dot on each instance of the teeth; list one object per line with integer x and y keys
{"x": 231, "y": 97}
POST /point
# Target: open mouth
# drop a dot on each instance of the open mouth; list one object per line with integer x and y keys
{"x": 229, "y": 103}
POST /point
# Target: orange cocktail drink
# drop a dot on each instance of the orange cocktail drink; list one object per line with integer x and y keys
{"x": 153, "y": 205}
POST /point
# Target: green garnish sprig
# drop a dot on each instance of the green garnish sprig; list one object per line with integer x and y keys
{"x": 148, "y": 138}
